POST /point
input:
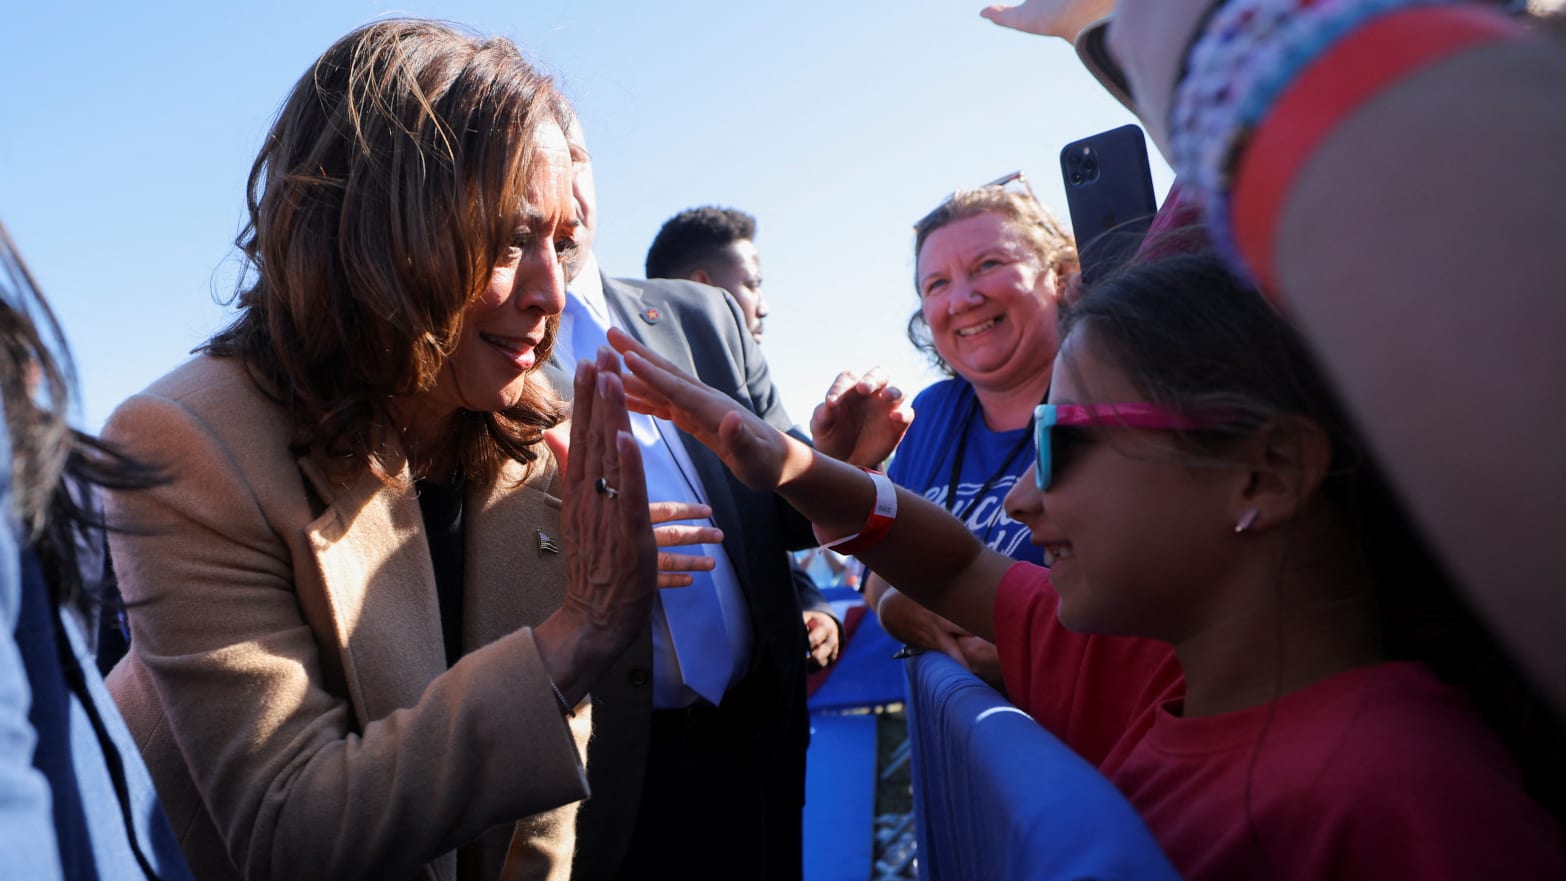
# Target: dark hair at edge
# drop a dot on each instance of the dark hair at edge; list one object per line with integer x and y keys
{"x": 1191, "y": 336}
{"x": 48, "y": 457}
{"x": 695, "y": 236}
{"x": 381, "y": 200}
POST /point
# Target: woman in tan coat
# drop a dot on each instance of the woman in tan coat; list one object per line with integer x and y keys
{"x": 362, "y": 618}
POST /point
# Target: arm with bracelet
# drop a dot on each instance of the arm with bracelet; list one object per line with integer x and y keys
{"x": 1391, "y": 174}
{"x": 928, "y": 553}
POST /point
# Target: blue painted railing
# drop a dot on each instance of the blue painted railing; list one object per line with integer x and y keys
{"x": 999, "y": 798}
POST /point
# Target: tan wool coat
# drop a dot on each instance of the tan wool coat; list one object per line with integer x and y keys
{"x": 287, "y": 682}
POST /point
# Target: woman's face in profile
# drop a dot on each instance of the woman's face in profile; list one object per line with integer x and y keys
{"x": 989, "y": 300}
{"x": 504, "y": 327}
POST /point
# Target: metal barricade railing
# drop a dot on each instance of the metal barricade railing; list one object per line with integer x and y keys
{"x": 997, "y": 797}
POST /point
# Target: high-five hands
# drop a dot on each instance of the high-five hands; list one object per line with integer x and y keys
{"x": 666, "y": 533}
{"x": 609, "y": 552}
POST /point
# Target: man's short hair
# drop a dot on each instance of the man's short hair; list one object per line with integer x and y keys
{"x": 691, "y": 239}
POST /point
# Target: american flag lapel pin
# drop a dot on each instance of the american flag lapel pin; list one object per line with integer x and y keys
{"x": 546, "y": 545}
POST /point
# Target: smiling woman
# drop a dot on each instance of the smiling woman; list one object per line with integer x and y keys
{"x": 504, "y": 328}
{"x": 991, "y": 265}
{"x": 356, "y": 644}
{"x": 988, "y": 281}
{"x": 383, "y": 238}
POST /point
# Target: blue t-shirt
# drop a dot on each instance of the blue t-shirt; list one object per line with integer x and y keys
{"x": 991, "y": 463}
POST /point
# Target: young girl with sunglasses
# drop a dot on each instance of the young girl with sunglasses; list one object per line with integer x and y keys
{"x": 1238, "y": 626}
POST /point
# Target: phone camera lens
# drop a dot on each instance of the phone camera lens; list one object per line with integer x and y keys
{"x": 1076, "y": 177}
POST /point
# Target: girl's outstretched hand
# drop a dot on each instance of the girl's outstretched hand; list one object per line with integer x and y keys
{"x": 762, "y": 457}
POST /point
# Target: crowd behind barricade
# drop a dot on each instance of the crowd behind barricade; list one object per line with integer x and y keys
{"x": 454, "y": 556}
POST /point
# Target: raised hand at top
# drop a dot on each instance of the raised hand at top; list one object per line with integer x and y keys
{"x": 1049, "y": 18}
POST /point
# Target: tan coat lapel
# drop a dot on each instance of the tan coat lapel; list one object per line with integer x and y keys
{"x": 379, "y": 595}
{"x": 512, "y": 581}
{"x": 379, "y": 590}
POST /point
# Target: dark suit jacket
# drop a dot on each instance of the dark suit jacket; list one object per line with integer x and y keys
{"x": 701, "y": 330}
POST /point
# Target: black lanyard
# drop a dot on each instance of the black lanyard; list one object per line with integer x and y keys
{"x": 959, "y": 457}
{"x": 76, "y": 681}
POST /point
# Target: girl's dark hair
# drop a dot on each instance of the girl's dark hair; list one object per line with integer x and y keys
{"x": 55, "y": 470}
{"x": 1193, "y": 337}
{"x": 384, "y": 194}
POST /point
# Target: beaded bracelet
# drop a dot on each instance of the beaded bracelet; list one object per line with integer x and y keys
{"x": 1249, "y": 53}
{"x": 1342, "y": 79}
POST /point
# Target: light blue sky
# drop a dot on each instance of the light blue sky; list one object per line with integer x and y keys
{"x": 128, "y": 131}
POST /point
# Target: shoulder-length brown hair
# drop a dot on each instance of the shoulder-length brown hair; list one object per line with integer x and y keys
{"x": 381, "y": 200}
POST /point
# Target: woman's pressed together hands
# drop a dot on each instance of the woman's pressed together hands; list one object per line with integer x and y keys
{"x": 609, "y": 547}
{"x": 667, "y": 518}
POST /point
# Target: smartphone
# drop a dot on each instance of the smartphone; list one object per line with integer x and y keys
{"x": 1109, "y": 192}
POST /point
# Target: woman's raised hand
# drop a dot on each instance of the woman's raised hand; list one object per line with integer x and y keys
{"x": 671, "y": 566}
{"x": 762, "y": 457}
{"x": 861, "y": 419}
{"x": 611, "y": 559}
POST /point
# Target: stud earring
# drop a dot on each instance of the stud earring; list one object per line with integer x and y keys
{"x": 1247, "y": 520}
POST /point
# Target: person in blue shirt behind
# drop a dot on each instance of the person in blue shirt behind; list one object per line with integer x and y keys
{"x": 76, "y": 801}
{"x": 991, "y": 265}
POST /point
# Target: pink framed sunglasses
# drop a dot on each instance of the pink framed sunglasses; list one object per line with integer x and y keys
{"x": 1056, "y": 441}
